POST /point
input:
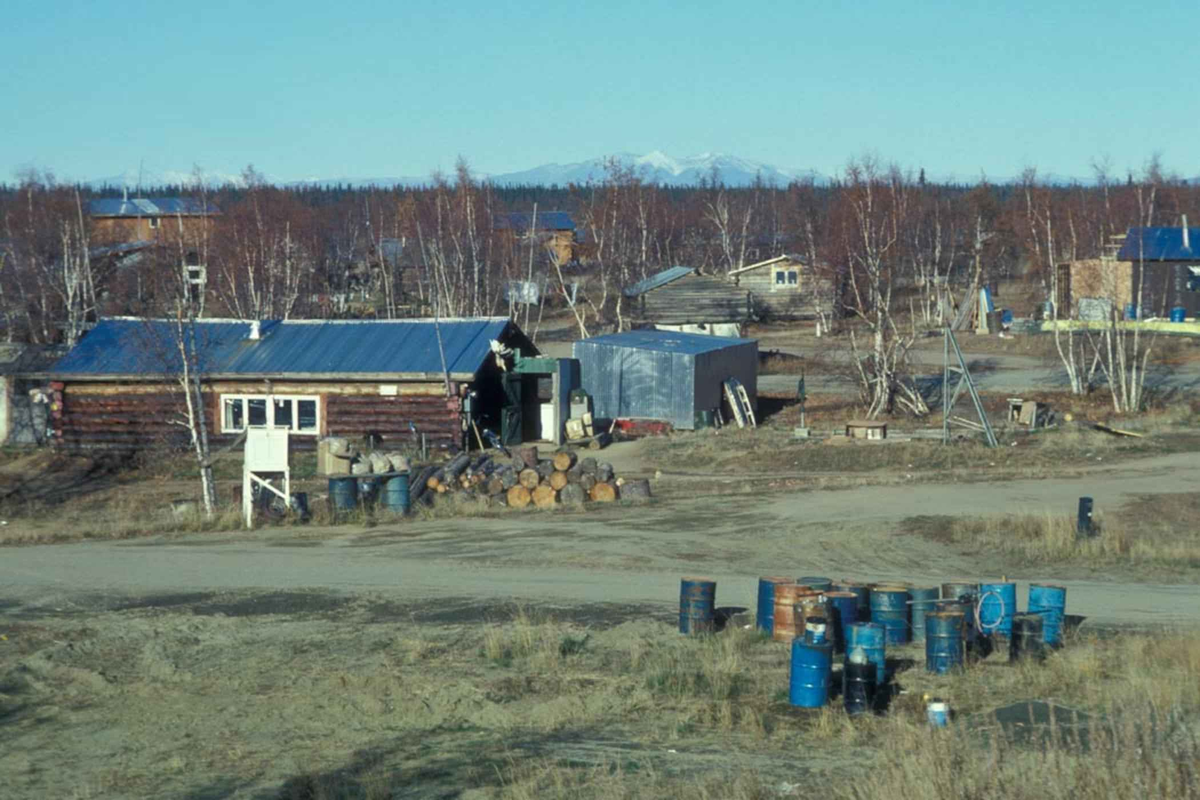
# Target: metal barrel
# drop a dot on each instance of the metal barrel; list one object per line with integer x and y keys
{"x": 843, "y": 611}
{"x": 783, "y": 624}
{"x": 1050, "y": 602}
{"x": 871, "y": 638}
{"x": 1083, "y": 522}
{"x": 944, "y": 644}
{"x": 697, "y": 599}
{"x": 395, "y": 494}
{"x": 813, "y": 582}
{"x": 858, "y": 685}
{"x": 889, "y": 608}
{"x": 923, "y": 600}
{"x": 1027, "y": 637}
{"x": 956, "y": 589}
{"x": 1178, "y": 314}
{"x": 812, "y": 669}
{"x": 862, "y": 592}
{"x": 343, "y": 492}
{"x": 997, "y": 604}
{"x": 816, "y": 630}
{"x": 766, "y": 602}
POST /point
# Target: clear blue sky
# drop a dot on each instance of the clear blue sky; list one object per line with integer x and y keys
{"x": 371, "y": 89}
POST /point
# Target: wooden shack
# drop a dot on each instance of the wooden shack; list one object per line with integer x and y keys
{"x": 785, "y": 287}
{"x": 680, "y": 295}
{"x": 390, "y": 380}
{"x": 555, "y": 230}
{"x": 116, "y": 220}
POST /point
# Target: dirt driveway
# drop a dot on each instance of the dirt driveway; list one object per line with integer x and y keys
{"x": 614, "y": 555}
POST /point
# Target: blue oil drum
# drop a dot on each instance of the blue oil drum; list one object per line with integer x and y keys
{"x": 1178, "y": 314}
{"x": 997, "y": 604}
{"x": 871, "y": 638}
{"x": 1050, "y": 603}
{"x": 395, "y": 494}
{"x": 889, "y": 608}
{"x": 944, "y": 641}
{"x": 765, "y": 613}
{"x": 924, "y": 598}
{"x": 843, "y": 611}
{"x": 858, "y": 684}
{"x": 1131, "y": 311}
{"x": 697, "y": 599}
{"x": 814, "y": 582}
{"x": 344, "y": 493}
{"x": 812, "y": 669}
{"x": 862, "y": 592}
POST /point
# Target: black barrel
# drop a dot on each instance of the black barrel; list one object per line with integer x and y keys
{"x": 858, "y": 686}
{"x": 1083, "y": 525}
{"x": 1027, "y": 638}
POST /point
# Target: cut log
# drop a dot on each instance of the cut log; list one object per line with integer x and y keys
{"x": 509, "y": 478}
{"x": 604, "y": 492}
{"x": 518, "y": 463}
{"x": 600, "y": 441}
{"x": 544, "y": 496}
{"x": 529, "y": 478}
{"x": 435, "y": 480}
{"x": 419, "y": 485}
{"x": 574, "y": 474}
{"x": 564, "y": 460}
{"x": 558, "y": 480}
{"x": 588, "y": 465}
{"x": 518, "y": 497}
{"x": 604, "y": 472}
{"x": 572, "y": 494}
{"x": 457, "y": 465}
{"x": 545, "y": 469}
{"x": 494, "y": 485}
{"x": 587, "y": 481}
{"x": 529, "y": 456}
{"x": 636, "y": 490}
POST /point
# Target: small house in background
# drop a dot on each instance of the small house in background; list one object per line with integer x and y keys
{"x": 391, "y": 380}
{"x": 24, "y": 404}
{"x": 682, "y": 296}
{"x": 116, "y": 220}
{"x": 555, "y": 229}
{"x": 785, "y": 287}
{"x": 660, "y": 375}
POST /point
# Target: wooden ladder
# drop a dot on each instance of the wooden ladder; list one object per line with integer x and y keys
{"x": 739, "y": 401}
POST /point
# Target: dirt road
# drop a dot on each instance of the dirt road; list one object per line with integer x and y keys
{"x": 614, "y": 555}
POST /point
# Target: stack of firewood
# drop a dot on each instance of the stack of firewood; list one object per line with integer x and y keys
{"x": 526, "y": 479}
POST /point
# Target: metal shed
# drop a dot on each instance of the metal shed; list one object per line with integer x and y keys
{"x": 664, "y": 375}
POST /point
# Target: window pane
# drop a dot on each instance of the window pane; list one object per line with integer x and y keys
{"x": 793, "y": 278}
{"x": 283, "y": 414}
{"x": 233, "y": 414}
{"x": 257, "y": 412}
{"x": 307, "y": 412}
{"x": 779, "y": 277}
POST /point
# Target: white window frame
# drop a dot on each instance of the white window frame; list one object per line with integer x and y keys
{"x": 269, "y": 401}
{"x": 154, "y": 222}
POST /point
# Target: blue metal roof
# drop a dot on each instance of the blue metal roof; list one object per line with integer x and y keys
{"x": 658, "y": 279}
{"x": 1160, "y": 244}
{"x": 149, "y": 207}
{"x": 664, "y": 341}
{"x": 546, "y": 221}
{"x": 289, "y": 347}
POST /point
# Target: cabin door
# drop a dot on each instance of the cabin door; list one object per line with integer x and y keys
{"x": 510, "y": 414}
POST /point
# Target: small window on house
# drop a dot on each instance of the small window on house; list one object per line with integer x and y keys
{"x": 793, "y": 278}
{"x": 779, "y": 278}
{"x": 153, "y": 222}
{"x": 283, "y": 413}
{"x": 306, "y": 413}
{"x": 257, "y": 412}
{"x": 234, "y": 415}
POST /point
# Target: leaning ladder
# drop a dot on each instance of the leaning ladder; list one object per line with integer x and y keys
{"x": 949, "y": 400}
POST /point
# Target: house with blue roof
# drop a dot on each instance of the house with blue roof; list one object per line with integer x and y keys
{"x": 554, "y": 229}
{"x": 392, "y": 380}
{"x": 141, "y": 219}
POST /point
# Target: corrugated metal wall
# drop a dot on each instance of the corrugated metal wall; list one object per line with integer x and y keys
{"x": 715, "y": 367}
{"x": 629, "y": 382}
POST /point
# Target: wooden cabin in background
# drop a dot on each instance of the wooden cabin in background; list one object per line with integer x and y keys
{"x": 554, "y": 229}
{"x": 784, "y": 287}
{"x": 682, "y": 296}
{"x": 121, "y": 220}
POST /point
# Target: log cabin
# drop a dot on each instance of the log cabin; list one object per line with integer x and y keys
{"x": 785, "y": 287}
{"x": 554, "y": 229}
{"x": 390, "y": 380}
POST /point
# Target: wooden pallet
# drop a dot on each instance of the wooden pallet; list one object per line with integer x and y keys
{"x": 739, "y": 401}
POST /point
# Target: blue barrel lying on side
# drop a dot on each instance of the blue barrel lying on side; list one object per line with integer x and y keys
{"x": 1050, "y": 603}
{"x": 812, "y": 668}
{"x": 815, "y": 582}
{"x": 871, "y": 638}
{"x": 889, "y": 608}
{"x": 843, "y": 608}
{"x": 923, "y": 600}
{"x": 943, "y": 641}
{"x": 395, "y": 494}
{"x": 997, "y": 604}
{"x": 697, "y": 600}
{"x": 765, "y": 613}
{"x": 344, "y": 493}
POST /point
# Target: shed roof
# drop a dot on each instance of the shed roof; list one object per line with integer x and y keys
{"x": 546, "y": 221}
{"x": 1160, "y": 244}
{"x": 150, "y": 207}
{"x": 658, "y": 279}
{"x": 297, "y": 348}
{"x": 665, "y": 341}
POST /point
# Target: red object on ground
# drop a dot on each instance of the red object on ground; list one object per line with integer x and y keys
{"x": 636, "y": 428}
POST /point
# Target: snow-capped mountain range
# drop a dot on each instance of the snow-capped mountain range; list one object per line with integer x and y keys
{"x": 653, "y": 167}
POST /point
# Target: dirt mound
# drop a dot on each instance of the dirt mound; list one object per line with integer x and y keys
{"x": 49, "y": 475}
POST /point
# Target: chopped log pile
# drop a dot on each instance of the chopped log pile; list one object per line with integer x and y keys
{"x": 525, "y": 480}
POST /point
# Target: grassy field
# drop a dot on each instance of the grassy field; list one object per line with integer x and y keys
{"x": 319, "y": 696}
